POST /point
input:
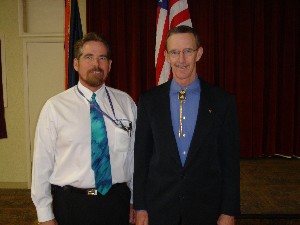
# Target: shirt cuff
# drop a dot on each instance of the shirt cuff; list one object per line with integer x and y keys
{"x": 45, "y": 214}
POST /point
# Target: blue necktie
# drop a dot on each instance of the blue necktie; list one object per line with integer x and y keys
{"x": 100, "y": 151}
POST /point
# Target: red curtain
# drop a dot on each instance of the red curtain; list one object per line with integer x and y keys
{"x": 3, "y": 133}
{"x": 251, "y": 49}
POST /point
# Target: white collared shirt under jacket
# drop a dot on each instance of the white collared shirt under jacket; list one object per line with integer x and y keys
{"x": 62, "y": 146}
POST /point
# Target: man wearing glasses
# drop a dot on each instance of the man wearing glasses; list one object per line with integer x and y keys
{"x": 187, "y": 145}
{"x": 83, "y": 153}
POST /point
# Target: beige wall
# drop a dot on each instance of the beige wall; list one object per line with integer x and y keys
{"x": 14, "y": 157}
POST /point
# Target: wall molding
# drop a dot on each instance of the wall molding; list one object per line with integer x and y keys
{"x": 3, "y": 64}
{"x": 35, "y": 16}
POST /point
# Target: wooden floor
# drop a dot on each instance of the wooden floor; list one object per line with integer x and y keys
{"x": 270, "y": 186}
{"x": 270, "y": 195}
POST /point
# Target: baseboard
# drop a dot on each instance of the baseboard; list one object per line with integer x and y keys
{"x": 14, "y": 185}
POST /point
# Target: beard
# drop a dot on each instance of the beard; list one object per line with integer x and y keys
{"x": 95, "y": 77}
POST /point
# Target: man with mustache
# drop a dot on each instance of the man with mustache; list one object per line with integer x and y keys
{"x": 83, "y": 150}
{"x": 186, "y": 155}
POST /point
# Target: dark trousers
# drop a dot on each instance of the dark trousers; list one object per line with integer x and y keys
{"x": 71, "y": 208}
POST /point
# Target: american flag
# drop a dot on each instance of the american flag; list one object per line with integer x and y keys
{"x": 170, "y": 13}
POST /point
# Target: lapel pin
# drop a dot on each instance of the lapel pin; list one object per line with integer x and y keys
{"x": 209, "y": 110}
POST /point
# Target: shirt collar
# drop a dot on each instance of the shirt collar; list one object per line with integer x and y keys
{"x": 175, "y": 87}
{"x": 88, "y": 93}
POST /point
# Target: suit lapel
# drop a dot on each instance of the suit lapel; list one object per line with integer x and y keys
{"x": 203, "y": 123}
{"x": 167, "y": 122}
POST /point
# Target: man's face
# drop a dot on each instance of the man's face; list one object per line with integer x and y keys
{"x": 93, "y": 65}
{"x": 182, "y": 54}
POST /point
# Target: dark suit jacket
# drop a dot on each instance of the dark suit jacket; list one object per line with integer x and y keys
{"x": 208, "y": 183}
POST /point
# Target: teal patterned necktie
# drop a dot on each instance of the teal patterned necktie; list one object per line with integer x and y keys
{"x": 100, "y": 151}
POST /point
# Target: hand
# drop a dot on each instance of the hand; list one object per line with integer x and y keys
{"x": 225, "y": 220}
{"x": 141, "y": 217}
{"x": 131, "y": 215}
{"x": 50, "y": 222}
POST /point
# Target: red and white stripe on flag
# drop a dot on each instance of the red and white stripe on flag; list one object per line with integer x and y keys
{"x": 170, "y": 13}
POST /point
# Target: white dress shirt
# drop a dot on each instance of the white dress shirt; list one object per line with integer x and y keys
{"x": 62, "y": 146}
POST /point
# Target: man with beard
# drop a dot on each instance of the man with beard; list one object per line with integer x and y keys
{"x": 70, "y": 183}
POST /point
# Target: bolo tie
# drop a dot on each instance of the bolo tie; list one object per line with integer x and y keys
{"x": 182, "y": 98}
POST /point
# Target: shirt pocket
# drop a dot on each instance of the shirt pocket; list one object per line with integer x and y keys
{"x": 122, "y": 140}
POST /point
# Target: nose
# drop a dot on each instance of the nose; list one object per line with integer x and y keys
{"x": 96, "y": 62}
{"x": 181, "y": 57}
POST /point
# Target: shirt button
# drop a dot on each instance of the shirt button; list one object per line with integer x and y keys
{"x": 184, "y": 152}
{"x": 183, "y": 135}
{"x": 183, "y": 118}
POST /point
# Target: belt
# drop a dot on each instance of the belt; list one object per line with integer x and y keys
{"x": 84, "y": 191}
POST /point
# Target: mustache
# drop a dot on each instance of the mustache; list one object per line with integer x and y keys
{"x": 96, "y": 70}
{"x": 181, "y": 64}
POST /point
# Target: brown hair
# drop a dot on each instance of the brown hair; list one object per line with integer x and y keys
{"x": 181, "y": 30}
{"x": 90, "y": 37}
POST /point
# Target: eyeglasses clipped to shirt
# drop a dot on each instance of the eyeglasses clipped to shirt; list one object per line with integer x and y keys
{"x": 123, "y": 124}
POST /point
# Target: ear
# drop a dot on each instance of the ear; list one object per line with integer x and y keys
{"x": 167, "y": 56}
{"x": 75, "y": 64}
{"x": 109, "y": 65}
{"x": 199, "y": 54}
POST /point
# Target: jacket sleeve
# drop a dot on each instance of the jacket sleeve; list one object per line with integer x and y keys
{"x": 142, "y": 154}
{"x": 229, "y": 146}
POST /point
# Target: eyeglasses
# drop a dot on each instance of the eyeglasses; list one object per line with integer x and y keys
{"x": 90, "y": 58}
{"x": 124, "y": 124}
{"x": 186, "y": 52}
